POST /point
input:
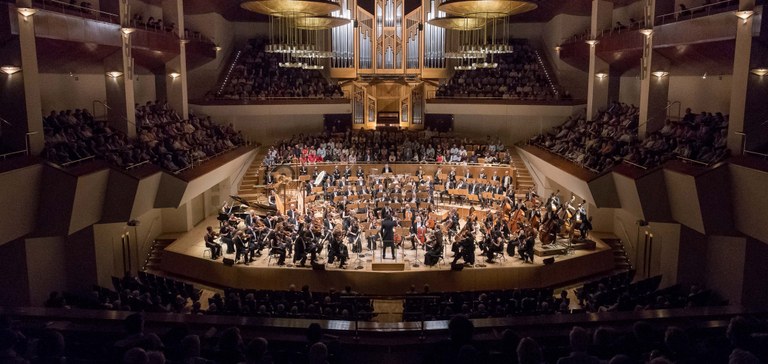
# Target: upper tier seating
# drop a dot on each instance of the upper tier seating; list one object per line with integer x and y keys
{"x": 519, "y": 76}
{"x": 163, "y": 138}
{"x": 257, "y": 75}
{"x": 600, "y": 144}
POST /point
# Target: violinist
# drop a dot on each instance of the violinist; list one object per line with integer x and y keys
{"x": 466, "y": 246}
{"x": 337, "y": 249}
{"x": 240, "y": 247}
{"x": 210, "y": 242}
{"x": 227, "y": 233}
{"x": 494, "y": 246}
{"x": 353, "y": 236}
{"x": 300, "y": 248}
{"x": 434, "y": 251}
{"x": 278, "y": 246}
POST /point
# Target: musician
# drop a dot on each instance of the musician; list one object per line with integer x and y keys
{"x": 272, "y": 199}
{"x": 466, "y": 247}
{"x": 526, "y": 249}
{"x": 336, "y": 174}
{"x": 494, "y": 245}
{"x": 347, "y": 171}
{"x": 467, "y": 174}
{"x": 388, "y": 235}
{"x": 436, "y": 177}
{"x": 585, "y": 223}
{"x": 354, "y": 237}
{"x": 386, "y": 169}
{"x": 291, "y": 214}
{"x": 360, "y": 174}
{"x": 506, "y": 182}
{"x": 315, "y": 173}
{"x": 482, "y": 174}
{"x": 240, "y": 247}
{"x": 452, "y": 175}
{"x": 227, "y": 233}
{"x": 301, "y": 246}
{"x": 434, "y": 251}
{"x": 418, "y": 232}
{"x": 302, "y": 170}
{"x": 278, "y": 246}
{"x": 420, "y": 173}
{"x": 268, "y": 178}
{"x": 337, "y": 249}
{"x": 210, "y": 243}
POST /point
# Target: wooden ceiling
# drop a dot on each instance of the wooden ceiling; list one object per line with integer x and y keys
{"x": 546, "y": 10}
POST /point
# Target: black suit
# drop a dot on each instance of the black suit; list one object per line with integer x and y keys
{"x": 388, "y": 236}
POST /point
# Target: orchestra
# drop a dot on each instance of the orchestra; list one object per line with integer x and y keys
{"x": 400, "y": 212}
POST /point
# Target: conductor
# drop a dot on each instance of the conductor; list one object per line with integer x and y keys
{"x": 388, "y": 235}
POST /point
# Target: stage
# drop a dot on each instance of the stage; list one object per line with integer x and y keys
{"x": 185, "y": 258}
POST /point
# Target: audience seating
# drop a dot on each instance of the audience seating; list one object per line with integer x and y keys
{"x": 257, "y": 75}
{"x": 612, "y": 137}
{"x": 519, "y": 76}
{"x": 163, "y": 138}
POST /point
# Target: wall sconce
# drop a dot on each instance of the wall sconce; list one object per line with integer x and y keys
{"x": 744, "y": 15}
{"x": 183, "y": 40}
{"x": 760, "y": 71}
{"x": 114, "y": 74}
{"x": 217, "y": 48}
{"x": 592, "y": 42}
{"x": 558, "y": 49}
{"x": 127, "y": 31}
{"x": 704, "y": 76}
{"x": 174, "y": 75}
{"x": 26, "y": 12}
{"x": 647, "y": 32}
{"x": 9, "y": 70}
{"x": 601, "y": 75}
{"x": 660, "y": 74}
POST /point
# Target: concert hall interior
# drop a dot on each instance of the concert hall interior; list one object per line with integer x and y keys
{"x": 502, "y": 181}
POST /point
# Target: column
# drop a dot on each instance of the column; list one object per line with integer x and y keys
{"x": 747, "y": 111}
{"x": 654, "y": 80}
{"x": 597, "y": 87}
{"x": 20, "y": 104}
{"x": 119, "y": 86}
{"x": 176, "y": 69}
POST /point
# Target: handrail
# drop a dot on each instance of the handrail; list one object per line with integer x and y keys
{"x": 695, "y": 12}
{"x": 634, "y": 164}
{"x": 669, "y": 107}
{"x": 705, "y": 164}
{"x": 103, "y": 103}
{"x": 764, "y": 155}
{"x": 63, "y": 7}
{"x": 135, "y": 165}
{"x": 546, "y": 73}
{"x": 229, "y": 73}
{"x": 6, "y": 155}
{"x": 77, "y": 161}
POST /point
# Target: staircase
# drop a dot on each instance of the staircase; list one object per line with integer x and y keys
{"x": 621, "y": 261}
{"x": 155, "y": 254}
{"x": 523, "y": 177}
{"x": 252, "y": 184}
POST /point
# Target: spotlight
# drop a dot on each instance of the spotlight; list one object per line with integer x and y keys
{"x": 647, "y": 32}
{"x": 601, "y": 75}
{"x": 592, "y": 42}
{"x": 26, "y": 12}
{"x": 174, "y": 75}
{"x": 660, "y": 74}
{"x": 760, "y": 71}
{"x": 744, "y": 14}
{"x": 114, "y": 74}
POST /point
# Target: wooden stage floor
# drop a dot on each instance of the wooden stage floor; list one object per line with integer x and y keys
{"x": 185, "y": 258}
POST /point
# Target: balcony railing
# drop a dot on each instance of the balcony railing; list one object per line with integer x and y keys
{"x": 697, "y": 12}
{"x": 77, "y": 10}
